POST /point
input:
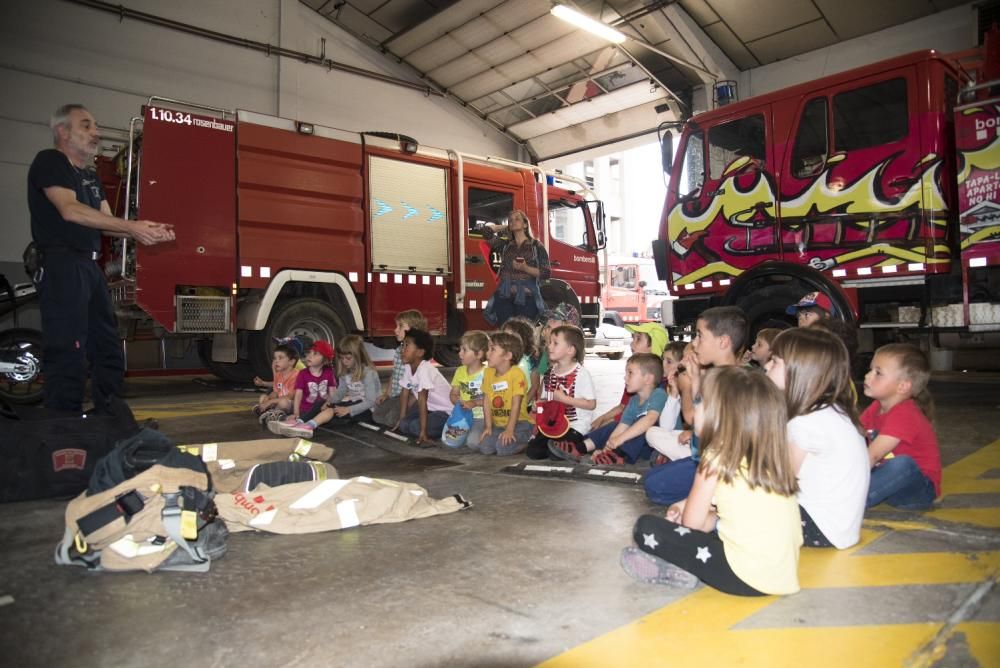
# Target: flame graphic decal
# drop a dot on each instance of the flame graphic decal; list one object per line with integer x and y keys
{"x": 829, "y": 223}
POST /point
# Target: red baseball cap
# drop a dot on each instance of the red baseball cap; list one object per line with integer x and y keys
{"x": 812, "y": 299}
{"x": 323, "y": 348}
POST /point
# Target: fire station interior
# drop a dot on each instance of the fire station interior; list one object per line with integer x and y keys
{"x": 524, "y": 570}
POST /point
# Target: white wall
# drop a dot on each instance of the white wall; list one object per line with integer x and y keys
{"x": 948, "y": 31}
{"x": 53, "y": 52}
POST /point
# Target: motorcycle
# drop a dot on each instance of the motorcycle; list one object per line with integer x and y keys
{"x": 20, "y": 348}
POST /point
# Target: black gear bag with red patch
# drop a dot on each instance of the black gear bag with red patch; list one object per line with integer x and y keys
{"x": 51, "y": 454}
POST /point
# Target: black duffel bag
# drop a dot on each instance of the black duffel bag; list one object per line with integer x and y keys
{"x": 49, "y": 454}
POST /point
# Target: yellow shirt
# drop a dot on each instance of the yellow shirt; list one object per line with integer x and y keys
{"x": 499, "y": 392}
{"x": 762, "y": 533}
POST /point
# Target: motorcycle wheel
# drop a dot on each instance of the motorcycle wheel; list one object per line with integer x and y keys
{"x": 23, "y": 347}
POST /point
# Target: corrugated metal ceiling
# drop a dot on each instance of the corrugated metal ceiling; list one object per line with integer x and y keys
{"x": 528, "y": 73}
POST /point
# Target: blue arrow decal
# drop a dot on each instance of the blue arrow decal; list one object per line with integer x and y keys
{"x": 410, "y": 211}
{"x": 383, "y": 208}
{"x": 435, "y": 214}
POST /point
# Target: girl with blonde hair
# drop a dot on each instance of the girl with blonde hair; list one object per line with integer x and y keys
{"x": 744, "y": 489}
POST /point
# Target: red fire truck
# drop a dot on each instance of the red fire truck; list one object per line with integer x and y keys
{"x": 879, "y": 187}
{"x": 286, "y": 227}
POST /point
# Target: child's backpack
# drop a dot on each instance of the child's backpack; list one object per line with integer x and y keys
{"x": 456, "y": 429}
{"x": 149, "y": 507}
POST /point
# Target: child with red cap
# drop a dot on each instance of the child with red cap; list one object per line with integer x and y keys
{"x": 812, "y": 307}
{"x": 313, "y": 387}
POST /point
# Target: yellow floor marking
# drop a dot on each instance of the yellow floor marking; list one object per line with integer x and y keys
{"x": 985, "y": 517}
{"x": 983, "y": 640}
{"x": 174, "y": 410}
{"x": 962, "y": 477}
{"x": 697, "y": 630}
{"x": 823, "y": 568}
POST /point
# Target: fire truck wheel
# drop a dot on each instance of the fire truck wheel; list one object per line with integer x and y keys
{"x": 310, "y": 318}
{"x": 766, "y": 307}
{"x": 447, "y": 354}
{"x": 240, "y": 371}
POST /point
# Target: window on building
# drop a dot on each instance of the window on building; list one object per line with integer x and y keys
{"x": 488, "y": 206}
{"x": 693, "y": 168}
{"x": 810, "y": 152}
{"x": 735, "y": 139}
{"x": 589, "y": 172}
{"x": 870, "y": 116}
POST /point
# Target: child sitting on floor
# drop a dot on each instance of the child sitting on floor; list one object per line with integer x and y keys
{"x": 524, "y": 330}
{"x": 567, "y": 396}
{"x": 276, "y": 404}
{"x": 386, "y": 411}
{"x": 425, "y": 400}
{"x": 313, "y": 386}
{"x": 744, "y": 489}
{"x": 467, "y": 383}
{"x": 562, "y": 314}
{"x": 669, "y": 438}
{"x": 812, "y": 307}
{"x": 902, "y": 446}
{"x": 624, "y": 442}
{"x": 719, "y": 333}
{"x": 760, "y": 351}
{"x": 356, "y": 391}
{"x": 824, "y": 435}
{"x": 508, "y": 425}
{"x": 646, "y": 338}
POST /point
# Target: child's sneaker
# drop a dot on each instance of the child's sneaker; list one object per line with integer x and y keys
{"x": 300, "y": 430}
{"x": 650, "y": 569}
{"x": 275, "y": 426}
{"x": 565, "y": 450}
{"x": 257, "y": 410}
{"x": 271, "y": 415}
{"x": 607, "y": 457}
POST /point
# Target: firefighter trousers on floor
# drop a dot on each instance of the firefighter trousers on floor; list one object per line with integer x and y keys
{"x": 328, "y": 505}
{"x": 229, "y": 463}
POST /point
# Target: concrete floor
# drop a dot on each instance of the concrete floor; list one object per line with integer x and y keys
{"x": 528, "y": 574}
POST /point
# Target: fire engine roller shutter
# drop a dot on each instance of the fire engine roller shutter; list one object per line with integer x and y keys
{"x": 408, "y": 206}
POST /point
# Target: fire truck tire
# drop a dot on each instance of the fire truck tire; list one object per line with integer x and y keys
{"x": 240, "y": 371}
{"x": 766, "y": 307}
{"x": 446, "y": 354}
{"x": 311, "y": 318}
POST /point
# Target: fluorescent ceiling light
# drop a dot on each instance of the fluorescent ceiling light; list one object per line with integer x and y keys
{"x": 586, "y": 23}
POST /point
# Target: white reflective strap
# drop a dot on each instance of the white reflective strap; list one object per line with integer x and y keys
{"x": 348, "y": 513}
{"x": 318, "y": 494}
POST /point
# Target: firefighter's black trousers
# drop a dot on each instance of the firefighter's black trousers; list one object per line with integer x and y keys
{"x": 78, "y": 326}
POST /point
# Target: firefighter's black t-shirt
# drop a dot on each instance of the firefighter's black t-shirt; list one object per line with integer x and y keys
{"x": 52, "y": 168}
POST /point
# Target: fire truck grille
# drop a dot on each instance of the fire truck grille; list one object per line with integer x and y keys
{"x": 202, "y": 314}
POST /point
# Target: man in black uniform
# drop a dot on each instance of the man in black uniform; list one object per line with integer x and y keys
{"x": 68, "y": 214}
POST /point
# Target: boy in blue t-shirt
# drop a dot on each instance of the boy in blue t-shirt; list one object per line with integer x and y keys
{"x": 624, "y": 442}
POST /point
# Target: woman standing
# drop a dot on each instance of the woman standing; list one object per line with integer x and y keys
{"x": 524, "y": 263}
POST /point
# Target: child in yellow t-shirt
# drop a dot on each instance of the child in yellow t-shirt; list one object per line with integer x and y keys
{"x": 507, "y": 424}
{"x": 467, "y": 383}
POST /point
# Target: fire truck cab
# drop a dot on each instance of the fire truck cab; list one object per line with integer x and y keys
{"x": 879, "y": 186}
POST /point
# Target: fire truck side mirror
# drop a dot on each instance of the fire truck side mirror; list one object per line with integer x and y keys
{"x": 667, "y": 151}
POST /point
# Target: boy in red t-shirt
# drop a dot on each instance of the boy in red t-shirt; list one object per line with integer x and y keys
{"x": 902, "y": 446}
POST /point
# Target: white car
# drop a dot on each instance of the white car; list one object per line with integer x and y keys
{"x": 610, "y": 341}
